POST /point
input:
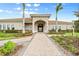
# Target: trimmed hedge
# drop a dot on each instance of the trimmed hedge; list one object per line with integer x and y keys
{"x": 15, "y": 31}
{"x": 53, "y": 32}
{"x": 59, "y": 32}
{"x": 11, "y": 31}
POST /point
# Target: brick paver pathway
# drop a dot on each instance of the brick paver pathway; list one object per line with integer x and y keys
{"x": 41, "y": 45}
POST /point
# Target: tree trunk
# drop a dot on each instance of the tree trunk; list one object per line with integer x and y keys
{"x": 23, "y": 30}
{"x": 56, "y": 25}
{"x": 73, "y": 29}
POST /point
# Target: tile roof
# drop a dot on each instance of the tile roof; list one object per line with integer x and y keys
{"x": 40, "y": 14}
{"x": 60, "y": 22}
{"x": 16, "y": 20}
{"x": 29, "y": 20}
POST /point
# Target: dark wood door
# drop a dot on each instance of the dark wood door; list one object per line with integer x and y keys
{"x": 40, "y": 28}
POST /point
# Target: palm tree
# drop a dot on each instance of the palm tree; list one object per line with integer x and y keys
{"x": 73, "y": 28}
{"x": 76, "y": 13}
{"x": 23, "y": 10}
{"x": 58, "y": 8}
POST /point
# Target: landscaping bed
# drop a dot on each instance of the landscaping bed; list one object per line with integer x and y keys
{"x": 18, "y": 47}
{"x": 69, "y": 43}
{"x": 9, "y": 48}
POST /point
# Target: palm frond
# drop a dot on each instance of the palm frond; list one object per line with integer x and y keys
{"x": 76, "y": 13}
{"x": 58, "y": 7}
{"x": 23, "y": 4}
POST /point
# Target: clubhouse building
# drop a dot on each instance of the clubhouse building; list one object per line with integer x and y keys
{"x": 36, "y": 23}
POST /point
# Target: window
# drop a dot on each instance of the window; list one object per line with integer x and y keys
{"x": 12, "y": 27}
{"x": 59, "y": 27}
{"x": 8, "y": 27}
{"x": 4, "y": 27}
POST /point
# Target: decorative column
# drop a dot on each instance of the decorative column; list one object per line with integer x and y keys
{"x": 23, "y": 31}
{"x": 47, "y": 27}
{"x": 33, "y": 26}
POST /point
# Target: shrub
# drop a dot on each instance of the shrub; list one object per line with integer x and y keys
{"x": 7, "y": 48}
{"x": 54, "y": 32}
{"x": 12, "y": 31}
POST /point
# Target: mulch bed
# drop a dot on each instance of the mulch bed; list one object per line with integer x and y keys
{"x": 18, "y": 47}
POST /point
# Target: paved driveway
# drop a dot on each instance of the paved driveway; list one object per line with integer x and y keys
{"x": 41, "y": 45}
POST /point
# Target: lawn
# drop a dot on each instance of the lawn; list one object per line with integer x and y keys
{"x": 70, "y": 34}
{"x": 8, "y": 36}
{"x": 63, "y": 34}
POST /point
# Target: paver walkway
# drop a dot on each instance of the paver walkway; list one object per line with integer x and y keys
{"x": 41, "y": 45}
{"x": 18, "y": 41}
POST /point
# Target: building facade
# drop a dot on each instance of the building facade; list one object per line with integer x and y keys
{"x": 37, "y": 23}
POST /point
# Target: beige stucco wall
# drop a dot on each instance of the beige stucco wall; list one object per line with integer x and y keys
{"x": 34, "y": 26}
{"x": 63, "y": 27}
{"x": 16, "y": 25}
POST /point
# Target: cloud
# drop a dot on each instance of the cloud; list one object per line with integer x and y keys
{"x": 17, "y": 3}
{"x": 27, "y": 13}
{"x": 36, "y": 5}
{"x": 8, "y": 11}
{"x": 64, "y": 4}
{"x": 18, "y": 8}
{"x": 32, "y": 12}
{"x": 1, "y": 10}
{"x": 36, "y": 9}
{"x": 29, "y": 5}
{"x": 46, "y": 8}
{"x": 26, "y": 9}
{"x": 30, "y": 9}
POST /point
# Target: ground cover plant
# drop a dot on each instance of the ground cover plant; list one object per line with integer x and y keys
{"x": 69, "y": 43}
{"x": 7, "y": 48}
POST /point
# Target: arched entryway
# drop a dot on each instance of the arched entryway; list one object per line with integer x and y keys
{"x": 40, "y": 25}
{"x": 40, "y": 28}
{"x": 40, "y": 22}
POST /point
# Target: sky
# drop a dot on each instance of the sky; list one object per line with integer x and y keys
{"x": 14, "y": 10}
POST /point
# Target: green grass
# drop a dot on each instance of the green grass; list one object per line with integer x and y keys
{"x": 70, "y": 34}
{"x": 8, "y": 36}
{"x": 64, "y": 33}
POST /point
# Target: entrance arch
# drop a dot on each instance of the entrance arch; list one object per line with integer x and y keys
{"x": 40, "y": 26}
{"x": 36, "y": 19}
